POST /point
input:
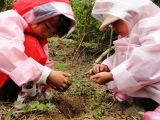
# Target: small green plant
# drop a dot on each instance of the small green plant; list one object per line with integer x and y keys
{"x": 9, "y": 114}
{"x": 99, "y": 112}
{"x": 38, "y": 106}
{"x": 67, "y": 43}
{"x": 139, "y": 118}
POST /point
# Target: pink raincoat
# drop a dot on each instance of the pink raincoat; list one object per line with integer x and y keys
{"x": 15, "y": 64}
{"x": 135, "y": 65}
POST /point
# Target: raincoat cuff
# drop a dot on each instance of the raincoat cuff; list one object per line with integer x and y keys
{"x": 45, "y": 74}
{"x": 26, "y": 71}
{"x": 123, "y": 80}
{"x": 107, "y": 63}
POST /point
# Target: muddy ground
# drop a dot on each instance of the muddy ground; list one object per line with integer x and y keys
{"x": 84, "y": 100}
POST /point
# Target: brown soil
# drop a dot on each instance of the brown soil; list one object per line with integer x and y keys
{"x": 84, "y": 100}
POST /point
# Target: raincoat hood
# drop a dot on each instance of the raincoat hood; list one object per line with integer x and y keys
{"x": 130, "y": 11}
{"x": 34, "y": 11}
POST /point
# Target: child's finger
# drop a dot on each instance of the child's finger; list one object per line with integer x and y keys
{"x": 68, "y": 82}
{"x": 66, "y": 74}
{"x": 52, "y": 86}
{"x": 94, "y": 76}
{"x": 64, "y": 85}
{"x": 101, "y": 68}
{"x": 61, "y": 88}
{"x": 94, "y": 80}
{"x": 97, "y": 69}
{"x": 86, "y": 73}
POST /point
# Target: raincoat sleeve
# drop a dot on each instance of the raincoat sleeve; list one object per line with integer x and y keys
{"x": 14, "y": 62}
{"x": 143, "y": 66}
{"x": 109, "y": 62}
{"x": 49, "y": 63}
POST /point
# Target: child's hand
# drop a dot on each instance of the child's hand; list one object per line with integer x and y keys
{"x": 57, "y": 80}
{"x": 102, "y": 77}
{"x": 98, "y": 68}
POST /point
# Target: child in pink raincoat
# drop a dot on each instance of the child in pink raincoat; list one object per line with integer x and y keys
{"x": 134, "y": 68}
{"x": 24, "y": 65}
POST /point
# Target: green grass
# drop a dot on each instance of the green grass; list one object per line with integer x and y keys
{"x": 61, "y": 66}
